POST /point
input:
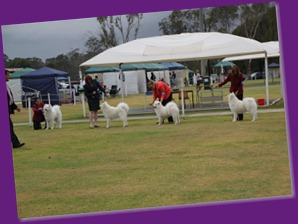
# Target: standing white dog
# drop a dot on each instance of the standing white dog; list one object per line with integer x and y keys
{"x": 111, "y": 113}
{"x": 162, "y": 112}
{"x": 52, "y": 114}
{"x": 247, "y": 104}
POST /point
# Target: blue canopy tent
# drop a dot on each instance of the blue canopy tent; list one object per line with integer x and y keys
{"x": 273, "y": 65}
{"x": 44, "y": 81}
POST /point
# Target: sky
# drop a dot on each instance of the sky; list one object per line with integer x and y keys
{"x": 49, "y": 39}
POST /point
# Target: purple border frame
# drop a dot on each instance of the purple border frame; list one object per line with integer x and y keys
{"x": 275, "y": 210}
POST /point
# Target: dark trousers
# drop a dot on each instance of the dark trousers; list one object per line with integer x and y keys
{"x": 240, "y": 116}
{"x": 164, "y": 102}
{"x": 14, "y": 139}
{"x": 36, "y": 125}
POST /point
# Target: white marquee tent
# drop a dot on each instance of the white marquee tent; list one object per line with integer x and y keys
{"x": 272, "y": 48}
{"x": 179, "y": 47}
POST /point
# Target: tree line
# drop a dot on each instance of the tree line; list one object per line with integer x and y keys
{"x": 256, "y": 21}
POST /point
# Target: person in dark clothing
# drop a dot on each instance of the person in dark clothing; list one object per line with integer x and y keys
{"x": 91, "y": 90}
{"x": 11, "y": 108}
{"x": 153, "y": 77}
{"x": 236, "y": 78}
{"x": 38, "y": 115}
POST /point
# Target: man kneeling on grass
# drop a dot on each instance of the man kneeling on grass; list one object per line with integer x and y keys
{"x": 162, "y": 92}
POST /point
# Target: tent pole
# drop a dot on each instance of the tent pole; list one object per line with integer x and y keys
{"x": 182, "y": 102}
{"x": 30, "y": 112}
{"x": 266, "y": 79}
{"x": 81, "y": 78}
{"x": 70, "y": 88}
{"x": 281, "y": 78}
{"x": 121, "y": 80}
{"x": 83, "y": 103}
{"x": 49, "y": 98}
{"x": 82, "y": 93}
{"x": 145, "y": 101}
{"x": 280, "y": 60}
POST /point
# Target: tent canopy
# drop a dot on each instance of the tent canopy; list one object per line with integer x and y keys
{"x": 94, "y": 70}
{"x": 273, "y": 65}
{"x": 45, "y": 81}
{"x": 44, "y": 73}
{"x": 180, "y": 47}
{"x": 143, "y": 66}
{"x": 17, "y": 74}
{"x": 173, "y": 65}
{"x": 127, "y": 67}
{"x": 271, "y": 47}
{"x": 223, "y": 64}
{"x": 177, "y": 47}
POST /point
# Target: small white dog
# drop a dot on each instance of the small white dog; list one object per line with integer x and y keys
{"x": 111, "y": 113}
{"x": 247, "y": 104}
{"x": 162, "y": 112}
{"x": 52, "y": 114}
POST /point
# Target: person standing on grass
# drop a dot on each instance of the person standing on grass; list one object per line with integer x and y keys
{"x": 38, "y": 115}
{"x": 162, "y": 92}
{"x": 11, "y": 108}
{"x": 236, "y": 78}
{"x": 92, "y": 93}
{"x": 199, "y": 80}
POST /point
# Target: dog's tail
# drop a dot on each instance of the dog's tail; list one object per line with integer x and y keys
{"x": 123, "y": 106}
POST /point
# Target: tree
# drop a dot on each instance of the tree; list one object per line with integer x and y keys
{"x": 259, "y": 23}
{"x": 221, "y": 19}
{"x": 24, "y": 62}
{"x": 35, "y": 62}
{"x": 75, "y": 59}
{"x": 111, "y": 24}
{"x": 180, "y": 21}
{"x": 93, "y": 47}
{"x": 251, "y": 17}
{"x": 69, "y": 62}
{"x": 6, "y": 61}
{"x": 268, "y": 27}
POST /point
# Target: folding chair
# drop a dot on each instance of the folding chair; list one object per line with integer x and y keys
{"x": 114, "y": 91}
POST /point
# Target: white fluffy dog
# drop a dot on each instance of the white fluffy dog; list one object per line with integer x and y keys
{"x": 52, "y": 114}
{"x": 237, "y": 106}
{"x": 162, "y": 112}
{"x": 111, "y": 113}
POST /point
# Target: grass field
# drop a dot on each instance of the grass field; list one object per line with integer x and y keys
{"x": 204, "y": 159}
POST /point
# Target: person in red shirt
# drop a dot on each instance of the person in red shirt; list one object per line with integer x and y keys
{"x": 38, "y": 115}
{"x": 236, "y": 78}
{"x": 162, "y": 92}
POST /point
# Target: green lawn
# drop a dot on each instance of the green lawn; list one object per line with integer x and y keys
{"x": 204, "y": 159}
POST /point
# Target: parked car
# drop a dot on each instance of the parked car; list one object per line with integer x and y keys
{"x": 63, "y": 85}
{"x": 257, "y": 75}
